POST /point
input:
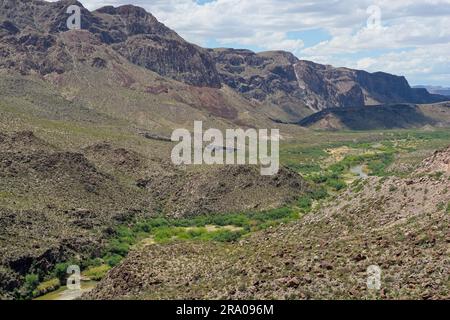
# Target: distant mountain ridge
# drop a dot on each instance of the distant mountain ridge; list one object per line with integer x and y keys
{"x": 367, "y": 118}
{"x": 390, "y": 116}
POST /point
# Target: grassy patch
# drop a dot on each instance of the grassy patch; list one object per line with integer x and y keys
{"x": 47, "y": 286}
{"x": 97, "y": 273}
{"x": 221, "y": 228}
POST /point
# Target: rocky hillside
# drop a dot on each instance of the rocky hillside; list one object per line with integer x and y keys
{"x": 436, "y": 90}
{"x": 267, "y": 77}
{"x": 398, "y": 224}
{"x": 85, "y": 124}
{"x": 368, "y": 118}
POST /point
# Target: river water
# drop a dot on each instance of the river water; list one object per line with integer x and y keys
{"x": 359, "y": 170}
{"x": 64, "y": 293}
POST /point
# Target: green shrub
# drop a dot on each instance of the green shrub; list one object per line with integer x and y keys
{"x": 304, "y": 168}
{"x": 112, "y": 259}
{"x": 305, "y": 204}
{"x": 266, "y": 225}
{"x": 30, "y": 285}
{"x": 118, "y": 247}
{"x": 196, "y": 233}
{"x": 60, "y": 271}
{"x": 97, "y": 273}
{"x": 47, "y": 286}
{"x": 166, "y": 233}
{"x": 319, "y": 178}
{"x": 226, "y": 236}
{"x": 319, "y": 193}
{"x": 158, "y": 222}
{"x": 437, "y": 175}
{"x": 31, "y": 281}
{"x": 338, "y": 168}
{"x": 336, "y": 184}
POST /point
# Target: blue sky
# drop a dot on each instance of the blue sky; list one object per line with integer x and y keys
{"x": 405, "y": 37}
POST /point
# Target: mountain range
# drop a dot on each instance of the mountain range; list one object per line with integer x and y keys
{"x": 35, "y": 40}
{"x": 86, "y": 118}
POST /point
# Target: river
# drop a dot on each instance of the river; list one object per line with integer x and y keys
{"x": 64, "y": 293}
{"x": 359, "y": 170}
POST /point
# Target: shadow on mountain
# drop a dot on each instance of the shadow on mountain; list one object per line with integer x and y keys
{"x": 399, "y": 116}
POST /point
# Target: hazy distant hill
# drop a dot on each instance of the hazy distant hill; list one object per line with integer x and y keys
{"x": 436, "y": 90}
{"x": 380, "y": 117}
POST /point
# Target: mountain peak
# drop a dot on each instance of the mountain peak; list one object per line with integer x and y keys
{"x": 129, "y": 30}
{"x": 125, "y": 10}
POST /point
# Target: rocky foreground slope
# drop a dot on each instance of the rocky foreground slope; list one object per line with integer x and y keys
{"x": 398, "y": 224}
{"x": 57, "y": 204}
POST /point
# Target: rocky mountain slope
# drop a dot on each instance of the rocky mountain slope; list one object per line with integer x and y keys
{"x": 267, "y": 77}
{"x": 30, "y": 30}
{"x": 302, "y": 87}
{"x": 281, "y": 79}
{"x": 398, "y": 224}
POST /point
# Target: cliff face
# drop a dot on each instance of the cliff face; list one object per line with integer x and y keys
{"x": 295, "y": 85}
{"x": 256, "y": 75}
{"x": 266, "y": 77}
{"x": 144, "y": 41}
{"x": 328, "y": 87}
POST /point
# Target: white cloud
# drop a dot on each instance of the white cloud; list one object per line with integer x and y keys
{"x": 409, "y": 41}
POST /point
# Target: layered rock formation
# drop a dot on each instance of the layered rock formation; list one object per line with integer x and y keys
{"x": 329, "y": 87}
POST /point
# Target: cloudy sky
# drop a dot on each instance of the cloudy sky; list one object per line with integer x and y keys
{"x": 407, "y": 37}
